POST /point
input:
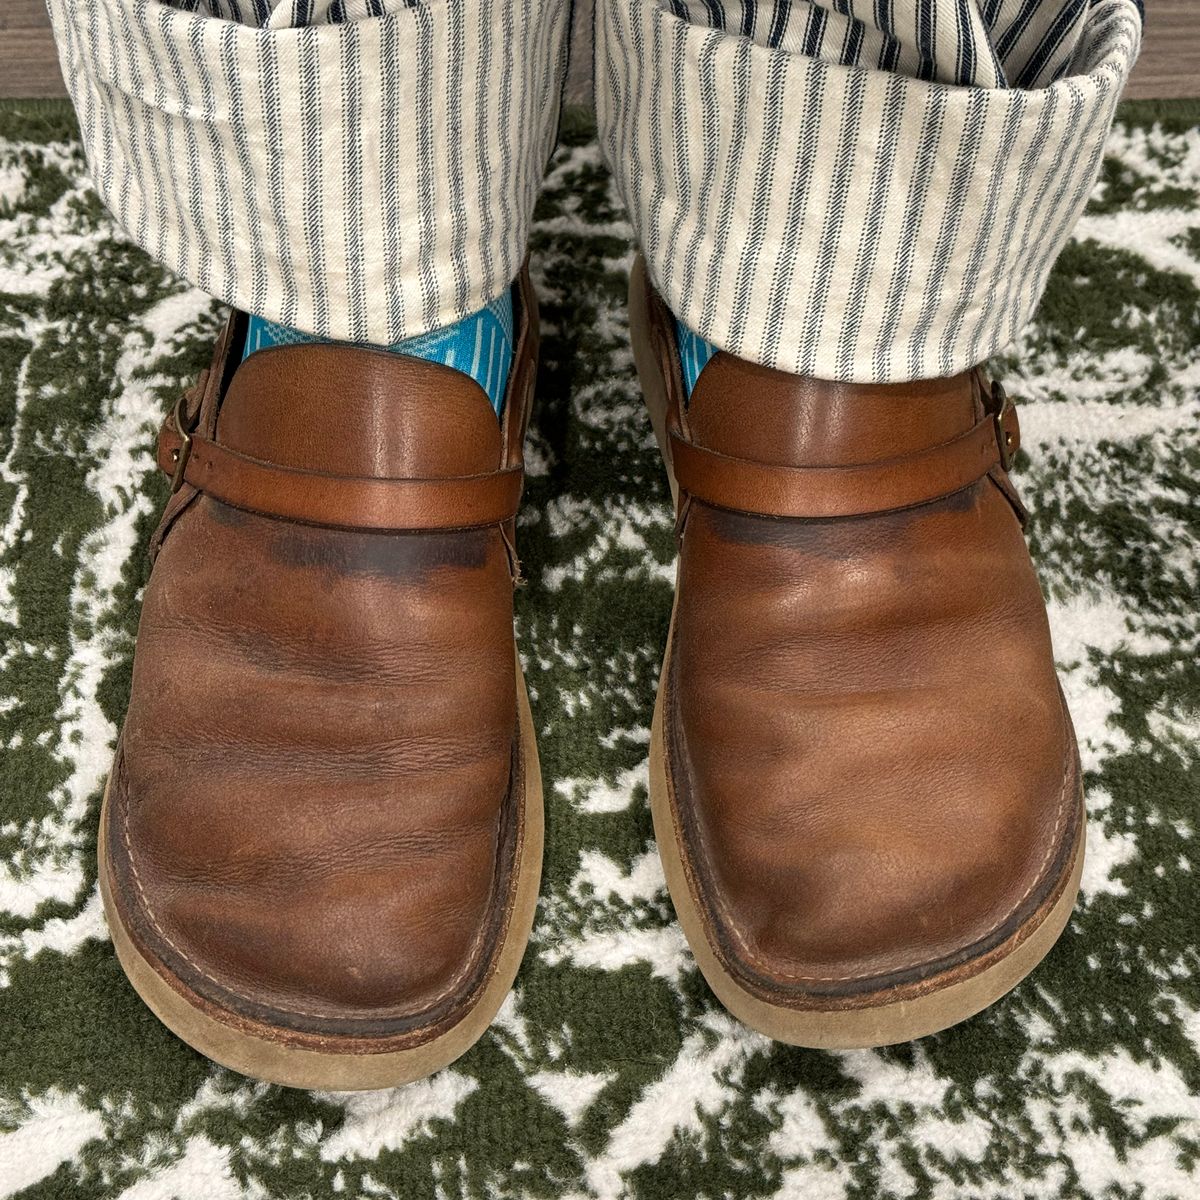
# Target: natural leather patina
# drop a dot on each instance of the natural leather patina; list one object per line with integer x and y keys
{"x": 872, "y": 775}
{"x": 314, "y": 814}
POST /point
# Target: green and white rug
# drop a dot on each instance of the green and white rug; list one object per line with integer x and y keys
{"x": 612, "y": 1072}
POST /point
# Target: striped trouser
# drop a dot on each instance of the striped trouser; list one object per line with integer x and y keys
{"x": 852, "y": 189}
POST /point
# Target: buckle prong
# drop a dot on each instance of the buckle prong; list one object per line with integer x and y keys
{"x": 180, "y": 457}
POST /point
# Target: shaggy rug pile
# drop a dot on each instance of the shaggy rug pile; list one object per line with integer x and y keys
{"x": 612, "y": 1072}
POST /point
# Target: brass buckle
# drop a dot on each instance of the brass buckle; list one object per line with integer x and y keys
{"x": 1001, "y": 407}
{"x": 180, "y": 457}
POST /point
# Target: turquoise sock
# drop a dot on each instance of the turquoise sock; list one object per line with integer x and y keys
{"x": 694, "y": 353}
{"x": 480, "y": 345}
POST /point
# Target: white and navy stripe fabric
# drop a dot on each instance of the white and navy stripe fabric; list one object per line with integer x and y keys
{"x": 287, "y": 14}
{"x": 864, "y": 190}
{"x": 854, "y": 189}
{"x": 364, "y": 170}
{"x": 971, "y": 43}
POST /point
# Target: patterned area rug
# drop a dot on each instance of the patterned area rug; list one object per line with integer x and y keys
{"x": 612, "y": 1072}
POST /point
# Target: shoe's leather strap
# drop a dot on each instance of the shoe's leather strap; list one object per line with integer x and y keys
{"x": 767, "y": 489}
{"x": 313, "y": 498}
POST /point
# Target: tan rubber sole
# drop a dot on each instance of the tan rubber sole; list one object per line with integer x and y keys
{"x": 272, "y": 1058}
{"x": 880, "y": 1023}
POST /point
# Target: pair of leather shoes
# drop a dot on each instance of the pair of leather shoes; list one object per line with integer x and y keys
{"x": 321, "y": 840}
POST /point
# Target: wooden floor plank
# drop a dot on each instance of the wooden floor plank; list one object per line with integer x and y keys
{"x": 28, "y": 60}
{"x": 1169, "y": 66}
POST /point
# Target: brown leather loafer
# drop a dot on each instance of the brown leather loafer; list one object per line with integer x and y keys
{"x": 864, "y": 780}
{"x": 321, "y": 842}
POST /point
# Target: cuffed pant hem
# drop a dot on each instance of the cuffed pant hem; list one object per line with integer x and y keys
{"x": 365, "y": 181}
{"x": 841, "y": 221}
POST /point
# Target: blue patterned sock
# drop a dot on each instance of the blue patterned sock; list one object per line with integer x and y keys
{"x": 480, "y": 345}
{"x": 694, "y": 353}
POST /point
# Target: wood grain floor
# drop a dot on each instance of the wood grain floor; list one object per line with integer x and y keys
{"x": 28, "y": 62}
{"x": 1169, "y": 66}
